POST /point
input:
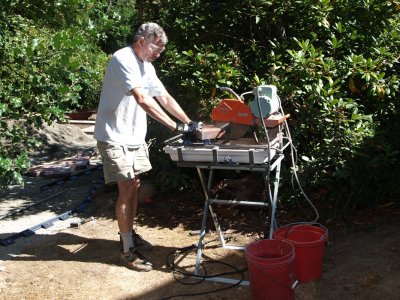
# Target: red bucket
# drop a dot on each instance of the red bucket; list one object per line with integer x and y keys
{"x": 309, "y": 244}
{"x": 271, "y": 269}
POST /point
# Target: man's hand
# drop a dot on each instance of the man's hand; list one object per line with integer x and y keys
{"x": 190, "y": 127}
{"x": 180, "y": 127}
{"x": 195, "y": 126}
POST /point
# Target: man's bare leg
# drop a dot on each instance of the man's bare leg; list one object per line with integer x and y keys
{"x": 135, "y": 199}
{"x": 125, "y": 209}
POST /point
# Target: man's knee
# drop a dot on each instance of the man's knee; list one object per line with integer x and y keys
{"x": 136, "y": 182}
{"x": 129, "y": 186}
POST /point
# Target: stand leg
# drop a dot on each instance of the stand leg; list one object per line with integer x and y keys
{"x": 202, "y": 235}
{"x": 203, "y": 223}
{"x": 274, "y": 199}
{"x": 207, "y": 207}
{"x": 271, "y": 210}
{"x": 217, "y": 226}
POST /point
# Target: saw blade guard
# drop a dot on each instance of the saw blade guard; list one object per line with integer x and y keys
{"x": 232, "y": 111}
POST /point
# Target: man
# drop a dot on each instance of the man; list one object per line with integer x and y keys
{"x": 129, "y": 85}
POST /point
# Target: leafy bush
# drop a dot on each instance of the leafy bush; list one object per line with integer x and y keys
{"x": 342, "y": 85}
{"x": 336, "y": 66}
{"x": 51, "y": 64}
{"x": 199, "y": 72}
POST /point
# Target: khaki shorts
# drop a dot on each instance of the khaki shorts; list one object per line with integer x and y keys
{"x": 121, "y": 162}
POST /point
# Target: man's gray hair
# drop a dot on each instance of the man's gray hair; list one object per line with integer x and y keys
{"x": 151, "y": 32}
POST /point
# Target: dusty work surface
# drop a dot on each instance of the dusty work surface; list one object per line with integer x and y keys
{"x": 59, "y": 262}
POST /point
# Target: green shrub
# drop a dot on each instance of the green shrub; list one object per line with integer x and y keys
{"x": 336, "y": 66}
{"x": 44, "y": 73}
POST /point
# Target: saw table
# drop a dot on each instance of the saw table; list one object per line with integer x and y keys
{"x": 239, "y": 154}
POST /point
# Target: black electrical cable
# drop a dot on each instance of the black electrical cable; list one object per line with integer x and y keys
{"x": 184, "y": 251}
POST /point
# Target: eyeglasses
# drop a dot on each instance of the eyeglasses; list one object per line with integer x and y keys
{"x": 155, "y": 48}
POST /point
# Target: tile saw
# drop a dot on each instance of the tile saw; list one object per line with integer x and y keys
{"x": 232, "y": 118}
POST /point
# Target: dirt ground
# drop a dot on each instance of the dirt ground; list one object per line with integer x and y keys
{"x": 361, "y": 261}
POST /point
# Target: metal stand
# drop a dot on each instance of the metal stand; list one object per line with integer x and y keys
{"x": 266, "y": 168}
{"x": 206, "y": 183}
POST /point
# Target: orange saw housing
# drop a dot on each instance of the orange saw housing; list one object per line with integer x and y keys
{"x": 233, "y": 111}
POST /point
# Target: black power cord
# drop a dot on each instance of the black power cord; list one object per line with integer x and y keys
{"x": 174, "y": 255}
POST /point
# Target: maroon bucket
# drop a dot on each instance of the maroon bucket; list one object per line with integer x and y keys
{"x": 271, "y": 269}
{"x": 309, "y": 243}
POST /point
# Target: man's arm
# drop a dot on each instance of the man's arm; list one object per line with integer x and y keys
{"x": 170, "y": 104}
{"x": 151, "y": 107}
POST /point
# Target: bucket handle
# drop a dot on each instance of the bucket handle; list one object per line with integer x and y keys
{"x": 323, "y": 237}
{"x": 292, "y": 286}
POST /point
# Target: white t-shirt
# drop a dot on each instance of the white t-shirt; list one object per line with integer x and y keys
{"x": 119, "y": 118}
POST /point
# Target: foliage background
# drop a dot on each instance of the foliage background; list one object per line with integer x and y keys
{"x": 335, "y": 63}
